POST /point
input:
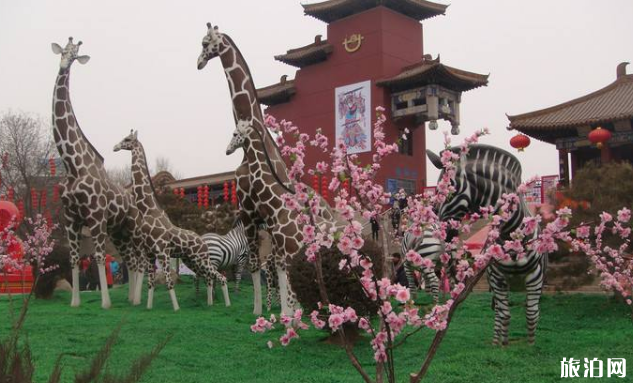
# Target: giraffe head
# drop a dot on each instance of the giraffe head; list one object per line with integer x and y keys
{"x": 212, "y": 45}
{"x": 239, "y": 136}
{"x": 128, "y": 142}
{"x": 69, "y": 54}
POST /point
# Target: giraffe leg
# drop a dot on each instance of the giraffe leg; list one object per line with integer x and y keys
{"x": 534, "y": 288}
{"x": 225, "y": 292}
{"x": 238, "y": 275}
{"x": 74, "y": 239}
{"x": 151, "y": 279}
{"x": 165, "y": 265}
{"x": 210, "y": 292}
{"x": 284, "y": 290}
{"x": 138, "y": 285}
{"x": 250, "y": 229}
{"x": 99, "y": 234}
{"x": 257, "y": 288}
{"x": 499, "y": 286}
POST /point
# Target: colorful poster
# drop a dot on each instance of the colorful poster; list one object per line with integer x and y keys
{"x": 353, "y": 116}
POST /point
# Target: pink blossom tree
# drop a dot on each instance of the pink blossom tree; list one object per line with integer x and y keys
{"x": 398, "y": 316}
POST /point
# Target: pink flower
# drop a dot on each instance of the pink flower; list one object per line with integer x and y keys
{"x": 624, "y": 215}
{"x": 402, "y": 295}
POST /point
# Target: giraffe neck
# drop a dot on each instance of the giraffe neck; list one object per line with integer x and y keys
{"x": 76, "y": 152}
{"x": 246, "y": 107}
{"x": 142, "y": 186}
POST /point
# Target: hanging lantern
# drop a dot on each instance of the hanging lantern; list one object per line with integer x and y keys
{"x": 175, "y": 191}
{"x": 315, "y": 183}
{"x": 226, "y": 191}
{"x": 21, "y": 210}
{"x": 8, "y": 213}
{"x": 52, "y": 166}
{"x": 34, "y": 199}
{"x": 324, "y": 187}
{"x": 10, "y": 194}
{"x": 43, "y": 199}
{"x": 49, "y": 218}
{"x": 599, "y": 136}
{"x": 182, "y": 192}
{"x": 205, "y": 199}
{"x": 520, "y": 142}
{"x": 233, "y": 193}
{"x": 199, "y": 195}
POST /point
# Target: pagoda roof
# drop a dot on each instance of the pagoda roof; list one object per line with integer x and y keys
{"x": 332, "y": 10}
{"x": 611, "y": 103}
{"x": 277, "y": 93}
{"x": 307, "y": 55}
{"x": 429, "y": 71}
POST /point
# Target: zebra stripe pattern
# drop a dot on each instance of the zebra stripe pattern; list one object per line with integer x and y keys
{"x": 428, "y": 247}
{"x": 482, "y": 177}
{"x": 229, "y": 250}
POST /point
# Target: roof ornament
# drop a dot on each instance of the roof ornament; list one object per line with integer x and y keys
{"x": 353, "y": 43}
{"x": 621, "y": 70}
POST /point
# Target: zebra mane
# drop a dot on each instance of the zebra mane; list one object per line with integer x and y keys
{"x": 484, "y": 161}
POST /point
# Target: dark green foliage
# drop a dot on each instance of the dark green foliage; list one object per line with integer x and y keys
{"x": 181, "y": 211}
{"x": 607, "y": 187}
{"x": 220, "y": 218}
{"x": 343, "y": 288}
{"x": 45, "y": 283}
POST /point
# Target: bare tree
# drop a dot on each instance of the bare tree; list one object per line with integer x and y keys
{"x": 122, "y": 176}
{"x": 26, "y": 147}
{"x": 163, "y": 164}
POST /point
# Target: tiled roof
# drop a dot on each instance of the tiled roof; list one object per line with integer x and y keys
{"x": 307, "y": 55}
{"x": 430, "y": 71}
{"x": 277, "y": 93}
{"x": 333, "y": 10}
{"x": 611, "y": 103}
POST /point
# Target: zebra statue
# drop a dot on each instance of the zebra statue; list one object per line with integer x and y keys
{"x": 482, "y": 177}
{"x": 230, "y": 250}
{"x": 428, "y": 247}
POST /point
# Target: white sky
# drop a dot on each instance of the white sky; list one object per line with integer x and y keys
{"x": 142, "y": 73}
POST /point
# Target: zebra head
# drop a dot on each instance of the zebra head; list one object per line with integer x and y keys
{"x": 457, "y": 205}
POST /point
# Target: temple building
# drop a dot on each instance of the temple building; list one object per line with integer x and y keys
{"x": 570, "y": 125}
{"x": 372, "y": 56}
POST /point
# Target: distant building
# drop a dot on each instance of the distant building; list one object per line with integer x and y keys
{"x": 569, "y": 124}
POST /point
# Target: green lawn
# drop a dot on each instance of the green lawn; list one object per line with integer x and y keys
{"x": 215, "y": 344}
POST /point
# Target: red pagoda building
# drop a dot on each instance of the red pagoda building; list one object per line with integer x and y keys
{"x": 373, "y": 56}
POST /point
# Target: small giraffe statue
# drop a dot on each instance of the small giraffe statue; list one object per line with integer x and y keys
{"x": 90, "y": 199}
{"x": 160, "y": 237}
{"x": 262, "y": 176}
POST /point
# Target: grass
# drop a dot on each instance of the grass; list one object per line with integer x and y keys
{"x": 214, "y": 344}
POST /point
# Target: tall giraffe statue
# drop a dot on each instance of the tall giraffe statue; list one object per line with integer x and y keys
{"x": 262, "y": 177}
{"x": 160, "y": 237}
{"x": 90, "y": 199}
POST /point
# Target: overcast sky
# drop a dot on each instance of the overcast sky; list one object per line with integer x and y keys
{"x": 142, "y": 73}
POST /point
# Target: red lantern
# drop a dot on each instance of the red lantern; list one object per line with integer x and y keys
{"x": 200, "y": 196}
{"x": 8, "y": 213}
{"x": 21, "y": 210}
{"x": 52, "y": 166}
{"x": 10, "y": 194}
{"x": 205, "y": 199}
{"x": 34, "y": 199}
{"x": 233, "y": 193}
{"x": 599, "y": 136}
{"x": 43, "y": 199}
{"x": 226, "y": 191}
{"x": 315, "y": 183}
{"x": 520, "y": 142}
{"x": 324, "y": 187}
{"x": 182, "y": 192}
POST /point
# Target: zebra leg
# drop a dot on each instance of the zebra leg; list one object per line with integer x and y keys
{"x": 408, "y": 271}
{"x": 500, "y": 288}
{"x": 534, "y": 288}
{"x": 432, "y": 283}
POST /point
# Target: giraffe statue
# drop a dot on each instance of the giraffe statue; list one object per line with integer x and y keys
{"x": 160, "y": 237}
{"x": 90, "y": 199}
{"x": 262, "y": 177}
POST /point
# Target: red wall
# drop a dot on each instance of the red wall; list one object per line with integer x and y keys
{"x": 391, "y": 41}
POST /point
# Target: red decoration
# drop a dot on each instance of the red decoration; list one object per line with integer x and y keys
{"x": 233, "y": 193}
{"x": 10, "y": 194}
{"x": 205, "y": 200}
{"x": 315, "y": 183}
{"x": 34, "y": 199}
{"x": 52, "y": 166}
{"x": 226, "y": 191}
{"x": 43, "y": 199}
{"x": 182, "y": 192}
{"x": 8, "y": 212}
{"x": 599, "y": 136}
{"x": 21, "y": 210}
{"x": 176, "y": 191}
{"x": 324, "y": 187}
{"x": 199, "y": 196}
{"x": 5, "y": 160}
{"x": 520, "y": 142}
